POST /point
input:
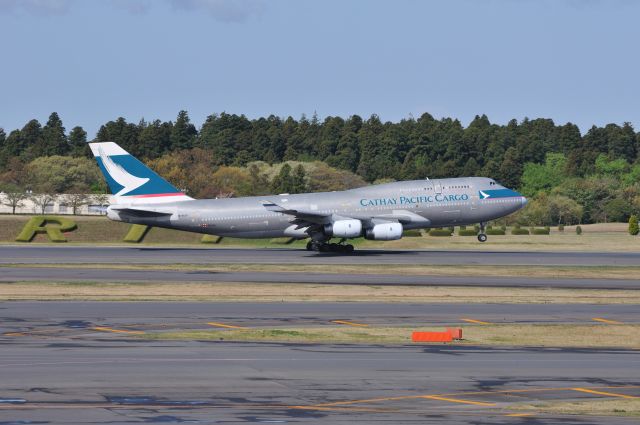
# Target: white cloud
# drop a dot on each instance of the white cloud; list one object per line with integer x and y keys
{"x": 36, "y": 7}
{"x": 222, "y": 10}
{"x": 135, "y": 7}
{"x": 232, "y": 11}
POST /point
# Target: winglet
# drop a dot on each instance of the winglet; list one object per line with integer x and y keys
{"x": 272, "y": 206}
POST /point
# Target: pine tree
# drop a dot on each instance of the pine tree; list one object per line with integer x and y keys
{"x": 28, "y": 141}
{"x": 298, "y": 180}
{"x": 78, "y": 142}
{"x": 282, "y": 183}
{"x": 511, "y": 169}
{"x": 183, "y": 133}
{"x": 54, "y": 140}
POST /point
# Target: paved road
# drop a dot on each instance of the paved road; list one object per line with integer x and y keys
{"x": 19, "y": 274}
{"x": 69, "y": 316}
{"x": 148, "y": 255}
{"x": 55, "y": 367}
{"x": 121, "y": 381}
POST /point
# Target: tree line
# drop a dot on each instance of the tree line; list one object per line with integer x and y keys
{"x": 360, "y": 150}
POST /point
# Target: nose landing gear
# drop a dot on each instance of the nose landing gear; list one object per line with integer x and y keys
{"x": 482, "y": 236}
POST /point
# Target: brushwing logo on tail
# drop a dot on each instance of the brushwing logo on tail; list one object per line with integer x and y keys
{"x": 121, "y": 176}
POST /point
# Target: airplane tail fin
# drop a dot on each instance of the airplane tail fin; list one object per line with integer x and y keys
{"x": 129, "y": 180}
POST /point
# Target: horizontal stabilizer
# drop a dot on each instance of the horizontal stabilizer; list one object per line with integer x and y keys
{"x": 138, "y": 212}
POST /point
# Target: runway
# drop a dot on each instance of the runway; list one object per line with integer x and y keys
{"x": 32, "y": 254}
{"x": 21, "y": 274}
{"x": 92, "y": 377}
{"x": 89, "y": 362}
{"x": 71, "y": 318}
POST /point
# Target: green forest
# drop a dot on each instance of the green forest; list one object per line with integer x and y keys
{"x": 570, "y": 177}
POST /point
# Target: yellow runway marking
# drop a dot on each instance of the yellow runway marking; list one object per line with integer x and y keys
{"x": 344, "y": 322}
{"x": 466, "y": 394}
{"x": 519, "y": 415}
{"x": 479, "y": 322}
{"x": 459, "y": 400}
{"x": 608, "y": 394}
{"x": 611, "y": 322}
{"x": 222, "y": 325}
{"x": 13, "y": 334}
{"x": 344, "y": 408}
{"x": 118, "y": 331}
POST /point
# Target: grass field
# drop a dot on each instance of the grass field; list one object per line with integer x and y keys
{"x": 565, "y": 335}
{"x": 607, "y": 407}
{"x": 100, "y": 230}
{"x": 264, "y": 292}
{"x": 538, "y": 271}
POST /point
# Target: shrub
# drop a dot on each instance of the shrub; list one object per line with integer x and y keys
{"x": 560, "y": 227}
{"x": 495, "y": 232}
{"x": 544, "y": 231}
{"x": 411, "y": 233}
{"x": 504, "y": 228}
{"x": 136, "y": 233}
{"x": 43, "y": 225}
{"x": 211, "y": 239}
{"x": 518, "y": 231}
{"x": 633, "y": 225}
{"x": 463, "y": 231}
{"x": 578, "y": 230}
{"x": 440, "y": 232}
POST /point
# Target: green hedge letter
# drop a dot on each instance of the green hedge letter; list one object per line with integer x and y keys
{"x": 52, "y": 226}
{"x": 136, "y": 233}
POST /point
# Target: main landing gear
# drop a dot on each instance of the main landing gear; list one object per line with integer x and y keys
{"x": 482, "y": 236}
{"x": 329, "y": 247}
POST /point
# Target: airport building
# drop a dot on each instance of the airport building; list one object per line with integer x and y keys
{"x": 62, "y": 204}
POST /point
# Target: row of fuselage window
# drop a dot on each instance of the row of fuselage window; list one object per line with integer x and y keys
{"x": 380, "y": 208}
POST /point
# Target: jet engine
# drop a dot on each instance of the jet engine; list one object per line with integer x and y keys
{"x": 344, "y": 229}
{"x": 384, "y": 232}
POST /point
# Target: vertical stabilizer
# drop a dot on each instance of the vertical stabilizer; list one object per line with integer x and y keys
{"x": 129, "y": 180}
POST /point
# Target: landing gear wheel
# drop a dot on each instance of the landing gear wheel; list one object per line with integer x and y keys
{"x": 348, "y": 248}
{"x": 482, "y": 237}
{"x": 309, "y": 246}
{"x": 323, "y": 247}
{"x": 334, "y": 247}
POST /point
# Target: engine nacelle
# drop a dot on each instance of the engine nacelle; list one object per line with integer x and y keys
{"x": 344, "y": 229}
{"x": 384, "y": 232}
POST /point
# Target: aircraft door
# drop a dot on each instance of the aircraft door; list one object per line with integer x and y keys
{"x": 437, "y": 188}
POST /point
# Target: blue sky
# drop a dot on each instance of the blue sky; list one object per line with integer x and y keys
{"x": 95, "y": 60}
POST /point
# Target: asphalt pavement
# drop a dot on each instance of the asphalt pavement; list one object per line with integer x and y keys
{"x": 57, "y": 380}
{"x": 78, "y": 315}
{"x": 31, "y": 254}
{"x": 48, "y": 274}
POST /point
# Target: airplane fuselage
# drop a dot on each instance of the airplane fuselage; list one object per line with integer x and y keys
{"x": 418, "y": 204}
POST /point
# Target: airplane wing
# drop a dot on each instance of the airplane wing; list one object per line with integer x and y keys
{"x": 301, "y": 216}
{"x": 308, "y": 217}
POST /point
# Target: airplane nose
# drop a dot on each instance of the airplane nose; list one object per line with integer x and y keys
{"x": 523, "y": 200}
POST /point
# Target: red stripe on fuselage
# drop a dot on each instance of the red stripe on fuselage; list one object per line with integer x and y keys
{"x": 156, "y": 195}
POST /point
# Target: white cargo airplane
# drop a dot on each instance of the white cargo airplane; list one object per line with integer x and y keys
{"x": 378, "y": 212}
